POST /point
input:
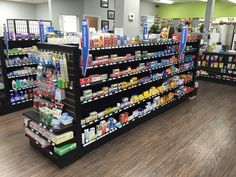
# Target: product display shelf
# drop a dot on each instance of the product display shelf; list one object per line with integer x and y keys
{"x": 20, "y": 76}
{"x": 70, "y": 106}
{"x": 109, "y": 99}
{"x": 35, "y": 117}
{"x": 131, "y": 74}
{"x": 133, "y": 60}
{"x": 218, "y": 79}
{"x": 78, "y": 109}
{"x": 217, "y": 71}
{"x": 70, "y": 140}
{"x": 25, "y": 88}
{"x": 143, "y": 116}
{"x": 20, "y": 104}
{"x": 163, "y": 43}
{"x": 134, "y": 105}
{"x": 27, "y": 64}
{"x": 141, "y": 84}
{"x": 217, "y": 67}
{"x": 132, "y": 124}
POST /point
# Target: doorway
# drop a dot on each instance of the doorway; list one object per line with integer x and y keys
{"x": 69, "y": 23}
{"x": 93, "y": 22}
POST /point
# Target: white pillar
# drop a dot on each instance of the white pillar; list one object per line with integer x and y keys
{"x": 208, "y": 18}
{"x": 123, "y": 9}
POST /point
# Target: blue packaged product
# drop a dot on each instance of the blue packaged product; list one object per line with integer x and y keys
{"x": 22, "y": 95}
{"x": 164, "y": 73}
{"x": 56, "y": 123}
{"x": 16, "y": 97}
{"x": 12, "y": 98}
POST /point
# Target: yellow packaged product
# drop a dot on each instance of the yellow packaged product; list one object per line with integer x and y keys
{"x": 146, "y": 94}
{"x": 141, "y": 97}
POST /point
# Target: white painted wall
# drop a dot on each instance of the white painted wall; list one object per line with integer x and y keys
{"x": 147, "y": 9}
{"x": 65, "y": 7}
{"x": 42, "y": 11}
{"x": 123, "y": 9}
{"x": 15, "y": 10}
{"x": 92, "y": 8}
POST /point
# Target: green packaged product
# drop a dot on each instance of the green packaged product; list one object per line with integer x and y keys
{"x": 64, "y": 149}
{"x": 46, "y": 115}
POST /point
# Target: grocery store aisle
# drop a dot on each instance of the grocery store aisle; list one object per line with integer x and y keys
{"x": 196, "y": 138}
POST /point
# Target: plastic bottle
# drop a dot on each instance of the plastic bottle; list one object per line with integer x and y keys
{"x": 32, "y": 82}
{"x": 22, "y": 95}
{"x": 17, "y": 84}
{"x": 25, "y": 82}
{"x": 12, "y": 98}
{"x": 28, "y": 82}
{"x": 30, "y": 94}
{"x": 13, "y": 83}
{"x": 26, "y": 95}
{"x": 22, "y": 85}
{"x": 7, "y": 62}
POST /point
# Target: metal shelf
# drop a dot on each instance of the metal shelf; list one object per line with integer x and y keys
{"x": 142, "y": 118}
{"x": 21, "y": 102}
{"x": 25, "y": 75}
{"x": 131, "y": 74}
{"x": 26, "y": 88}
{"x": 75, "y": 107}
{"x": 133, "y": 105}
{"x": 22, "y": 65}
{"x": 135, "y": 86}
{"x": 35, "y": 117}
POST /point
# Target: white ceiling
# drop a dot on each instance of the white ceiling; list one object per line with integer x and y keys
{"x": 29, "y": 1}
{"x": 175, "y": 1}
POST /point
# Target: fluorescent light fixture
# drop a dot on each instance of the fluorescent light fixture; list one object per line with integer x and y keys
{"x": 203, "y": 0}
{"x": 165, "y": 1}
{"x": 233, "y": 1}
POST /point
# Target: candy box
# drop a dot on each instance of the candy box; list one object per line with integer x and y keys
{"x": 95, "y": 78}
{"x": 85, "y": 80}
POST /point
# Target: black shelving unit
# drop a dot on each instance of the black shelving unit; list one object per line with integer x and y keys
{"x": 79, "y": 109}
{"x": 217, "y": 67}
{"x": 8, "y": 106}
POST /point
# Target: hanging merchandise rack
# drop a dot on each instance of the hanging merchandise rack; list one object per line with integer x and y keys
{"x": 123, "y": 87}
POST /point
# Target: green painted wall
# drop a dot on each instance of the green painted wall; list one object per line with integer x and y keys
{"x": 195, "y": 10}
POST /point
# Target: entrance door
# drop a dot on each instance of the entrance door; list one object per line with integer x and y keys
{"x": 93, "y": 22}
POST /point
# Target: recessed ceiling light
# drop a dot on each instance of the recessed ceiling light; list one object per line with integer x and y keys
{"x": 165, "y": 1}
{"x": 233, "y": 1}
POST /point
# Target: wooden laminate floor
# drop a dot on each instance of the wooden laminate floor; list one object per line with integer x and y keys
{"x": 196, "y": 138}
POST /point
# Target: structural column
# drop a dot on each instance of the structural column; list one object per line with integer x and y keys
{"x": 123, "y": 9}
{"x": 208, "y": 18}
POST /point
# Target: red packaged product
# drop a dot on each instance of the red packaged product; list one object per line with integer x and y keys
{"x": 85, "y": 80}
{"x": 122, "y": 118}
{"x": 126, "y": 116}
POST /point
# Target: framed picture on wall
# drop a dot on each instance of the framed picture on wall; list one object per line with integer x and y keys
{"x": 104, "y": 3}
{"x": 104, "y": 23}
{"x": 111, "y": 14}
